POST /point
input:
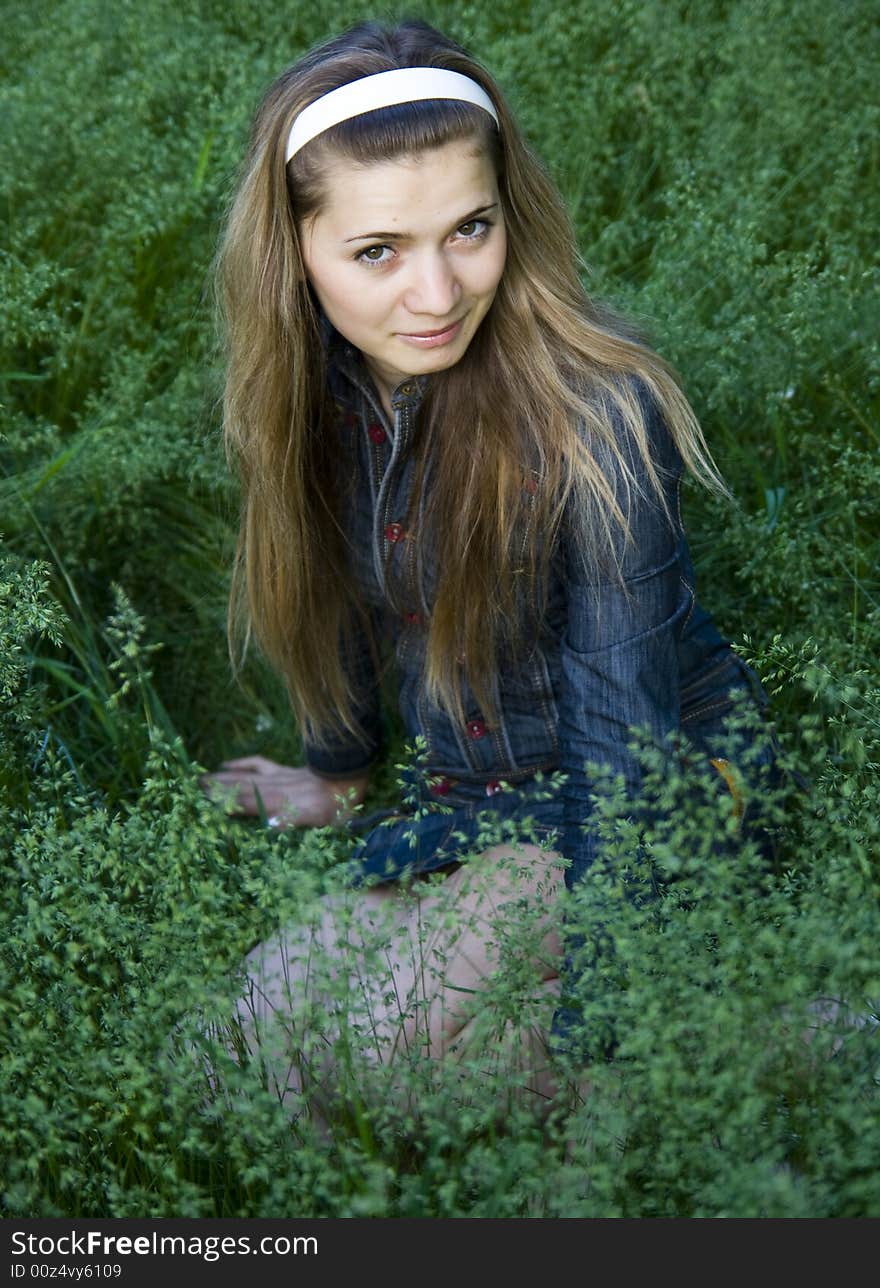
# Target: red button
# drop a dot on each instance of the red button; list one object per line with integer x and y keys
{"x": 476, "y": 729}
{"x": 531, "y": 486}
{"x": 413, "y": 619}
{"x": 395, "y": 532}
{"x": 493, "y": 787}
{"x": 442, "y": 787}
{"x": 376, "y": 432}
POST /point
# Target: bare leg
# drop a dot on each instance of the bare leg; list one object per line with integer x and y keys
{"x": 395, "y": 971}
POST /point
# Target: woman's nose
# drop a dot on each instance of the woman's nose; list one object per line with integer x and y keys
{"x": 433, "y": 288}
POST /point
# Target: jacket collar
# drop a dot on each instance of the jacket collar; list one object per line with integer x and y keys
{"x": 344, "y": 360}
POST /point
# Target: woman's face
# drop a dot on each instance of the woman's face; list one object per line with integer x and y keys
{"x": 405, "y": 257}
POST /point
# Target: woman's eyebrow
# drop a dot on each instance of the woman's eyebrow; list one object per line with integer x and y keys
{"x": 399, "y": 236}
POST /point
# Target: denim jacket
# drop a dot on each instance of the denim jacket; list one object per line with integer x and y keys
{"x": 608, "y": 656}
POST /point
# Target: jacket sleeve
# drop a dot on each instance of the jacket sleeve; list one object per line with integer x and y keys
{"x": 346, "y": 756}
{"x": 619, "y": 650}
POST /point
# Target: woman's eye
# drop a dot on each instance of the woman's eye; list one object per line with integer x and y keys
{"x": 473, "y": 228}
{"x": 373, "y": 255}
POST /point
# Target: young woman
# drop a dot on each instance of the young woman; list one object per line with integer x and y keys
{"x": 457, "y": 466}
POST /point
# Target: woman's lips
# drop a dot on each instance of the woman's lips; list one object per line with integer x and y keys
{"x": 430, "y": 340}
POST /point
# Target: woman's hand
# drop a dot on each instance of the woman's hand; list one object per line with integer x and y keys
{"x": 290, "y": 797}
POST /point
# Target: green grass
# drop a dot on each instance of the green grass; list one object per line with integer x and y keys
{"x": 721, "y": 162}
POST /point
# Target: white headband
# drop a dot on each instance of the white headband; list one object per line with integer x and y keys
{"x": 385, "y": 89}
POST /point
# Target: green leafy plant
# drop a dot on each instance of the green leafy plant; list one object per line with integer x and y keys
{"x": 721, "y": 167}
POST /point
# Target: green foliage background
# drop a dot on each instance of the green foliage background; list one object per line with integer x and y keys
{"x": 721, "y": 162}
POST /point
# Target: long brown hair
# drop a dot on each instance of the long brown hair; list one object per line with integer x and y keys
{"x": 535, "y": 397}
